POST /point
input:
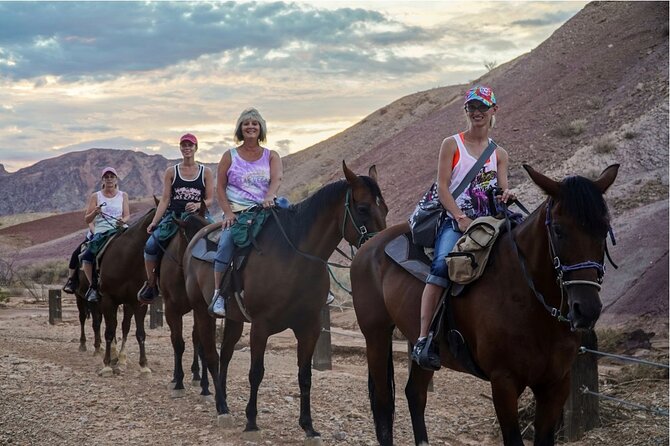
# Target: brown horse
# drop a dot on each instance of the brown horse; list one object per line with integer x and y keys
{"x": 173, "y": 292}
{"x": 121, "y": 275}
{"x": 286, "y": 284}
{"x": 512, "y": 318}
{"x": 88, "y": 309}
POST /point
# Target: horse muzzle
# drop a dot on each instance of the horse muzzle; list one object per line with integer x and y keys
{"x": 584, "y": 305}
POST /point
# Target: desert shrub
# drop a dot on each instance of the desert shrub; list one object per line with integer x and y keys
{"x": 47, "y": 273}
{"x": 4, "y": 296}
{"x": 604, "y": 144}
{"x": 572, "y": 128}
{"x": 629, "y": 134}
{"x": 595, "y": 103}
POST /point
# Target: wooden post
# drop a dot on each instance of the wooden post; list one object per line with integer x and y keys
{"x": 581, "y": 412}
{"x": 55, "y": 310}
{"x": 323, "y": 352}
{"x": 156, "y": 313}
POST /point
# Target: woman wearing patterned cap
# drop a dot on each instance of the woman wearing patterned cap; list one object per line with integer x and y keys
{"x": 186, "y": 186}
{"x": 458, "y": 154}
{"x": 107, "y": 210}
{"x": 247, "y": 175}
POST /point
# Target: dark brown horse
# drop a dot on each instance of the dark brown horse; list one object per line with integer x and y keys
{"x": 285, "y": 288}
{"x": 121, "y": 275}
{"x": 517, "y": 335}
{"x": 91, "y": 310}
{"x": 173, "y": 292}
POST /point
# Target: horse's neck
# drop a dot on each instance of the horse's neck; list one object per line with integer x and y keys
{"x": 324, "y": 232}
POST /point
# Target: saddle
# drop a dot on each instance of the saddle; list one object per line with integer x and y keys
{"x": 414, "y": 260}
{"x": 205, "y": 249}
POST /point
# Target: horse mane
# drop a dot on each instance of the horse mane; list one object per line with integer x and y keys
{"x": 582, "y": 200}
{"x": 298, "y": 218}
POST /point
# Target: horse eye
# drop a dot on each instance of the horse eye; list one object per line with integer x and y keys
{"x": 558, "y": 231}
{"x": 363, "y": 209}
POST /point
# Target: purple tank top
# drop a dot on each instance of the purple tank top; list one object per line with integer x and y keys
{"x": 248, "y": 182}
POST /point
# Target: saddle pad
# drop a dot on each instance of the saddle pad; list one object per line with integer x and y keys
{"x": 205, "y": 248}
{"x": 410, "y": 257}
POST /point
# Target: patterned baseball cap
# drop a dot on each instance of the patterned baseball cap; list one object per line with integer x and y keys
{"x": 482, "y": 94}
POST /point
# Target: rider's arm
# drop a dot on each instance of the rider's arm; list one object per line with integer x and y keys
{"x": 165, "y": 198}
{"x": 444, "y": 169}
{"x": 92, "y": 208}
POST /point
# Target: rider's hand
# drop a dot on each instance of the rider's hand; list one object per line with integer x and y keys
{"x": 463, "y": 223}
{"x": 192, "y": 206}
{"x": 151, "y": 227}
{"x": 508, "y": 195}
{"x": 268, "y": 202}
{"x": 228, "y": 221}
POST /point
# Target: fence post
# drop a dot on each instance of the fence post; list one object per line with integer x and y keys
{"x": 156, "y": 313}
{"x": 322, "y": 358}
{"x": 55, "y": 310}
{"x": 581, "y": 412}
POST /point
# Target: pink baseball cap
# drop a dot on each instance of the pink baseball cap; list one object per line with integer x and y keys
{"x": 482, "y": 94}
{"x": 189, "y": 137}
{"x": 109, "y": 169}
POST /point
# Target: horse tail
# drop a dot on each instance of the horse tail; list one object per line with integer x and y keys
{"x": 383, "y": 409}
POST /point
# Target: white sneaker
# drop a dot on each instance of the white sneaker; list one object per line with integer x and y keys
{"x": 218, "y": 306}
{"x": 330, "y": 299}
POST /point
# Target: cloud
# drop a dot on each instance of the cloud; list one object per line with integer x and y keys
{"x": 73, "y": 40}
{"x": 548, "y": 19}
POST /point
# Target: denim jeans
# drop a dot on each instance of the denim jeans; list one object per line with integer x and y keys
{"x": 224, "y": 251}
{"x": 446, "y": 239}
{"x": 152, "y": 248}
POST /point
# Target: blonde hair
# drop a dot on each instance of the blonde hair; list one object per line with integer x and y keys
{"x": 250, "y": 113}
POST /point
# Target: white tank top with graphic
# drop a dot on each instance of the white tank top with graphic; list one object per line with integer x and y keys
{"x": 110, "y": 212}
{"x": 473, "y": 201}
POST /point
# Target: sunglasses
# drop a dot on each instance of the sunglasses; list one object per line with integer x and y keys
{"x": 473, "y": 106}
{"x": 108, "y": 175}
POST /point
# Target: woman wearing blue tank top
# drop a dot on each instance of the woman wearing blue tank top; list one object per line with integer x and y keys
{"x": 185, "y": 187}
{"x": 458, "y": 154}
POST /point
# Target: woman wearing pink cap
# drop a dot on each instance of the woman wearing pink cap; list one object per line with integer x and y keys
{"x": 107, "y": 210}
{"x": 186, "y": 186}
{"x": 458, "y": 155}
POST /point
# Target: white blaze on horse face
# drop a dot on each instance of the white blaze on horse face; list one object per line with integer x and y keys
{"x": 377, "y": 201}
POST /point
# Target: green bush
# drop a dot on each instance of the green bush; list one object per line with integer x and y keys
{"x": 4, "y": 296}
{"x": 48, "y": 273}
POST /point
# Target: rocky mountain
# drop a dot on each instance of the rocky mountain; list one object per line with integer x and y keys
{"x": 63, "y": 183}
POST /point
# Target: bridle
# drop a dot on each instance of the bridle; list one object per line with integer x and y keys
{"x": 363, "y": 234}
{"x": 559, "y": 268}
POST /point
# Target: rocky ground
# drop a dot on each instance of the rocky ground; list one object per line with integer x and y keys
{"x": 51, "y": 393}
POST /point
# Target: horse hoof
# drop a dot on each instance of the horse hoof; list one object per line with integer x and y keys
{"x": 206, "y": 398}
{"x": 97, "y": 352}
{"x": 313, "y": 441}
{"x": 178, "y": 393}
{"x": 170, "y": 385}
{"x": 195, "y": 383}
{"x": 106, "y": 372}
{"x": 254, "y": 436}
{"x": 82, "y": 347}
{"x": 123, "y": 359}
{"x": 145, "y": 372}
{"x": 225, "y": 420}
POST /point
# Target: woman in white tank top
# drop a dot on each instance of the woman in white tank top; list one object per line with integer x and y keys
{"x": 458, "y": 154}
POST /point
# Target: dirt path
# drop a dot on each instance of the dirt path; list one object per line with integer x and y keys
{"x": 51, "y": 394}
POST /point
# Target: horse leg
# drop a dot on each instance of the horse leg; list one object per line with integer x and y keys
{"x": 549, "y": 400}
{"x": 307, "y": 338}
{"x": 381, "y": 384}
{"x": 195, "y": 365}
{"x": 416, "y": 392}
{"x": 505, "y": 400}
{"x": 206, "y": 329}
{"x": 125, "y": 329}
{"x": 175, "y": 322}
{"x": 232, "y": 332}
{"x": 140, "y": 312}
{"x": 258, "y": 343}
{"x": 81, "y": 306}
{"x": 110, "y": 334}
{"x": 96, "y": 322}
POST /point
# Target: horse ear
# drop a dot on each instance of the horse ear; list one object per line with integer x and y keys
{"x": 372, "y": 173}
{"x": 607, "y": 177}
{"x": 548, "y": 185}
{"x": 351, "y": 177}
{"x": 156, "y": 200}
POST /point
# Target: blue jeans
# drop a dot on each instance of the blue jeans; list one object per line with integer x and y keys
{"x": 446, "y": 239}
{"x": 224, "y": 251}
{"x": 152, "y": 248}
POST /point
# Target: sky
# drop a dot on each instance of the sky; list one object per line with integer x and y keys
{"x": 137, "y": 75}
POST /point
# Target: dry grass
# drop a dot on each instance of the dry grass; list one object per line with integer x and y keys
{"x": 572, "y": 128}
{"x": 604, "y": 144}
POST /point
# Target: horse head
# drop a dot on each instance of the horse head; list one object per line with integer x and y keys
{"x": 577, "y": 222}
{"x": 194, "y": 222}
{"x": 364, "y": 207}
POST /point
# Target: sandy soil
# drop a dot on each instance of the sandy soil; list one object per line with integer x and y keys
{"x": 51, "y": 393}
